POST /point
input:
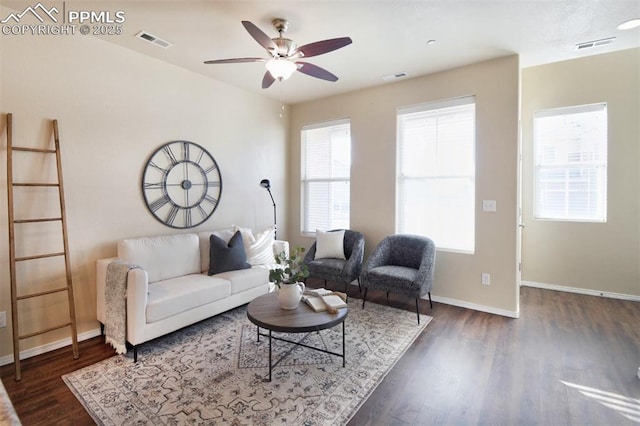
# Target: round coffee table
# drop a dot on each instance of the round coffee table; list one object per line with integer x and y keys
{"x": 265, "y": 312}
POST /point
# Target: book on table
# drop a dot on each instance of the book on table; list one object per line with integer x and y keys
{"x": 321, "y": 299}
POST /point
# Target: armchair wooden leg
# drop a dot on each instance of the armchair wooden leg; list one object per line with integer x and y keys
{"x": 430, "y": 303}
{"x": 364, "y": 298}
{"x": 418, "y": 309}
{"x": 359, "y": 286}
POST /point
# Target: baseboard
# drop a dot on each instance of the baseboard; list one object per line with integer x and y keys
{"x": 476, "y": 307}
{"x": 38, "y": 350}
{"x": 578, "y": 290}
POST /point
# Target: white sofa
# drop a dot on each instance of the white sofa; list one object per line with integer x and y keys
{"x": 172, "y": 289}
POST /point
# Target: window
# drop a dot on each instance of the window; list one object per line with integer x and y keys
{"x": 570, "y": 171}
{"x": 326, "y": 168}
{"x": 436, "y": 173}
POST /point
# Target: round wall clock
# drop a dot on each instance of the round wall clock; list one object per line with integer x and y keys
{"x": 181, "y": 184}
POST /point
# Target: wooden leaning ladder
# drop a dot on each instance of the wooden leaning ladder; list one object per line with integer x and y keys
{"x": 15, "y": 297}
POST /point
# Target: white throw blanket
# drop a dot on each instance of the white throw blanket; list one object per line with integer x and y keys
{"x": 115, "y": 296}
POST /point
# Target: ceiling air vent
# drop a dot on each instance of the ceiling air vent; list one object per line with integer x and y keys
{"x": 595, "y": 43}
{"x": 153, "y": 39}
{"x": 397, "y": 76}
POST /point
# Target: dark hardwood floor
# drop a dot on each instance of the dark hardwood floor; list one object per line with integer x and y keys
{"x": 569, "y": 359}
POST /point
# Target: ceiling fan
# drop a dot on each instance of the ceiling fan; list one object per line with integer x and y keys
{"x": 285, "y": 54}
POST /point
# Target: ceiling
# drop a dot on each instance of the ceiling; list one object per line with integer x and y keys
{"x": 389, "y": 36}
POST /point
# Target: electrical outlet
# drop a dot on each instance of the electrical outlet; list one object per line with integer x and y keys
{"x": 486, "y": 279}
{"x": 3, "y": 319}
{"x": 488, "y": 205}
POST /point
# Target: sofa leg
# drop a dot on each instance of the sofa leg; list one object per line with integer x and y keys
{"x": 418, "y": 309}
{"x": 430, "y": 303}
{"x": 387, "y": 297}
{"x": 364, "y": 298}
{"x": 135, "y": 354}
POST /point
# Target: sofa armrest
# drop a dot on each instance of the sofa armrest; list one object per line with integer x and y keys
{"x": 311, "y": 254}
{"x": 427, "y": 267}
{"x": 137, "y": 296}
{"x": 137, "y": 293}
{"x": 353, "y": 267}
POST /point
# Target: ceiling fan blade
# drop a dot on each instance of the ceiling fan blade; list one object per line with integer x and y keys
{"x": 267, "y": 80}
{"x": 259, "y": 36}
{"x": 234, "y": 60}
{"x": 315, "y": 71}
{"x": 324, "y": 46}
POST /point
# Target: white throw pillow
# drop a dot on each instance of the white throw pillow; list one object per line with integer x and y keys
{"x": 258, "y": 247}
{"x": 330, "y": 244}
{"x": 247, "y": 234}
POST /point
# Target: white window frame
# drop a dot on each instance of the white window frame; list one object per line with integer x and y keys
{"x": 598, "y": 166}
{"x": 305, "y": 181}
{"x": 466, "y": 180}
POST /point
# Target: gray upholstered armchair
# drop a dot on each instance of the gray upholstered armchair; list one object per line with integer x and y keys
{"x": 343, "y": 271}
{"x": 401, "y": 264}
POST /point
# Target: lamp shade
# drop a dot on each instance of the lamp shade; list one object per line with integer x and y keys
{"x": 281, "y": 68}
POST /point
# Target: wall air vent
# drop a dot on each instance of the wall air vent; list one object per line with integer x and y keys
{"x": 154, "y": 40}
{"x": 396, "y": 76}
{"x": 595, "y": 43}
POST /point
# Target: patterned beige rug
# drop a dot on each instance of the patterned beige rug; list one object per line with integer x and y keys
{"x": 213, "y": 371}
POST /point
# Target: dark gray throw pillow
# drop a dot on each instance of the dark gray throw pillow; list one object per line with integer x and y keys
{"x": 225, "y": 257}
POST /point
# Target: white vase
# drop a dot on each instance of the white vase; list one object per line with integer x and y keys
{"x": 289, "y": 295}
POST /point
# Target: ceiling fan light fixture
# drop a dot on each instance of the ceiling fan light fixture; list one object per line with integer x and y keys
{"x": 280, "y": 68}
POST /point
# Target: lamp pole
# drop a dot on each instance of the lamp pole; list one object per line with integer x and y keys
{"x": 267, "y": 185}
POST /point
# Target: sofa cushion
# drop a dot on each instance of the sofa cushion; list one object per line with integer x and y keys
{"x": 170, "y": 297}
{"x": 204, "y": 236}
{"x": 386, "y": 276}
{"x": 327, "y": 268}
{"x": 163, "y": 257}
{"x": 246, "y": 279}
{"x": 227, "y": 256}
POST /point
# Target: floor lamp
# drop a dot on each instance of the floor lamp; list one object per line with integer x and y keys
{"x": 267, "y": 185}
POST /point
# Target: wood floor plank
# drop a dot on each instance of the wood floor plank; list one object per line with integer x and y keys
{"x": 546, "y": 368}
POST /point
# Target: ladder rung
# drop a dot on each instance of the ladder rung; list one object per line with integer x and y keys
{"x": 39, "y": 256}
{"x": 36, "y": 184}
{"x": 48, "y": 219}
{"x": 37, "y": 333}
{"x": 42, "y": 293}
{"x": 46, "y": 151}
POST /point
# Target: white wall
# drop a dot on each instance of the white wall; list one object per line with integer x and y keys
{"x": 115, "y": 107}
{"x": 595, "y": 257}
{"x": 373, "y": 130}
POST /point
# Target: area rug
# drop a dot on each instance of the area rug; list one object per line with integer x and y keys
{"x": 213, "y": 373}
